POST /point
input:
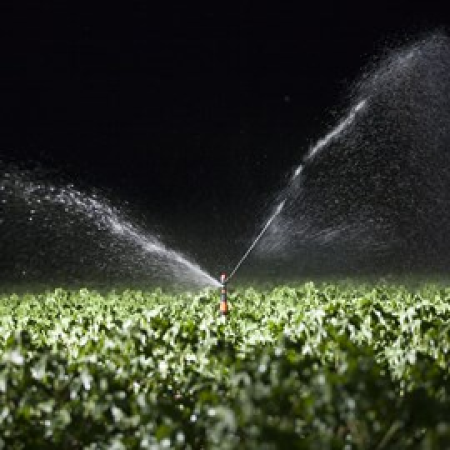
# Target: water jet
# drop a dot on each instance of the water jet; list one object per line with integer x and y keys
{"x": 61, "y": 223}
{"x": 371, "y": 195}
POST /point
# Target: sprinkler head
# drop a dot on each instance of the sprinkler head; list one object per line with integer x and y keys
{"x": 223, "y": 295}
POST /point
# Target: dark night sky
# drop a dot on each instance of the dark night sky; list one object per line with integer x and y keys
{"x": 190, "y": 104}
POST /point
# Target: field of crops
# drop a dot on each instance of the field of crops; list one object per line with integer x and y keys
{"x": 316, "y": 367}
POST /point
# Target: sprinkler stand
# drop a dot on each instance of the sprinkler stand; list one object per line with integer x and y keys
{"x": 223, "y": 295}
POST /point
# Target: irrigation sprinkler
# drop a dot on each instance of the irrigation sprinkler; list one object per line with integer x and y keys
{"x": 223, "y": 295}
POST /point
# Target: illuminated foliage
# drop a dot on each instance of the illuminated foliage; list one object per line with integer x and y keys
{"x": 314, "y": 367}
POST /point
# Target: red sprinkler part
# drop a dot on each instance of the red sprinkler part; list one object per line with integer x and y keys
{"x": 223, "y": 295}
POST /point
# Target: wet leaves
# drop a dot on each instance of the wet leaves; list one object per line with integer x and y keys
{"x": 309, "y": 367}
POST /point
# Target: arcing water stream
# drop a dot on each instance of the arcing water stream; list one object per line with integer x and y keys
{"x": 44, "y": 204}
{"x": 372, "y": 196}
{"x": 378, "y": 195}
{"x": 169, "y": 263}
{"x": 333, "y": 134}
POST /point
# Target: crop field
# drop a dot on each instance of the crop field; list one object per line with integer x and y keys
{"x": 315, "y": 367}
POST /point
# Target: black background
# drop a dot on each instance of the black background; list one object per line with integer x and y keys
{"x": 187, "y": 109}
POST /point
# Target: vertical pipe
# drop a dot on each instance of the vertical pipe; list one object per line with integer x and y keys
{"x": 223, "y": 295}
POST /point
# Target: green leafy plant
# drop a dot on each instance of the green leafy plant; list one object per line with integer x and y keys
{"x": 313, "y": 367}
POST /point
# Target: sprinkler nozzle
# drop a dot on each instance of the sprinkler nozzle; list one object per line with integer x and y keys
{"x": 223, "y": 295}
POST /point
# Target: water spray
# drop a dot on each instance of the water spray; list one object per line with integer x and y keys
{"x": 46, "y": 199}
{"x": 257, "y": 239}
{"x": 333, "y": 134}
